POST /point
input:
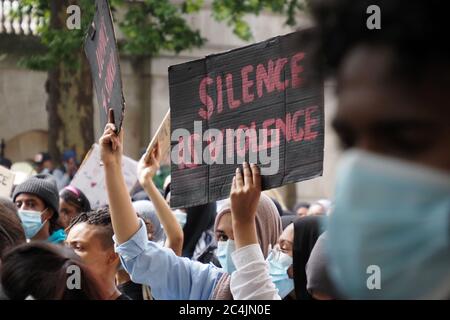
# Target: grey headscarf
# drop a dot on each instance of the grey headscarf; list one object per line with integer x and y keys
{"x": 146, "y": 209}
{"x": 317, "y": 272}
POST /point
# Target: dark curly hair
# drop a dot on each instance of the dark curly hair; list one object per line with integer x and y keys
{"x": 415, "y": 31}
{"x": 100, "y": 218}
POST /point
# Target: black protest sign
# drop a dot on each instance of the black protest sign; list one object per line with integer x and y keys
{"x": 102, "y": 53}
{"x": 261, "y": 103}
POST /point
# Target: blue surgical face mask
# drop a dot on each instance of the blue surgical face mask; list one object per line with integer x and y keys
{"x": 224, "y": 251}
{"x": 31, "y": 222}
{"x": 389, "y": 232}
{"x": 181, "y": 217}
{"x": 279, "y": 263}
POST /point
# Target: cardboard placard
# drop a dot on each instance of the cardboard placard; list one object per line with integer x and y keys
{"x": 102, "y": 53}
{"x": 90, "y": 177}
{"x": 6, "y": 182}
{"x": 162, "y": 136}
{"x": 270, "y": 85}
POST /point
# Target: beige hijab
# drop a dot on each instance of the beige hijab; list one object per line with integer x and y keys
{"x": 268, "y": 229}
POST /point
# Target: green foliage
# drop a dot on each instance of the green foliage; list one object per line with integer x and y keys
{"x": 233, "y": 12}
{"x": 62, "y": 44}
{"x": 149, "y": 26}
{"x": 190, "y": 6}
{"x": 154, "y": 25}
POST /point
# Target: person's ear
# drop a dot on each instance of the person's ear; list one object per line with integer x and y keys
{"x": 48, "y": 214}
{"x": 290, "y": 271}
{"x": 113, "y": 258}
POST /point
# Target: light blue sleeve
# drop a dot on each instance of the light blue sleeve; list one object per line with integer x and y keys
{"x": 170, "y": 277}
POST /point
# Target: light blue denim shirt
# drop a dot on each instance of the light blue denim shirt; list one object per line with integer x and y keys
{"x": 169, "y": 276}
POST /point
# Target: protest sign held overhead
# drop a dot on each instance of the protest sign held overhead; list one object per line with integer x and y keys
{"x": 90, "y": 177}
{"x": 261, "y": 103}
{"x": 103, "y": 56}
{"x": 162, "y": 136}
{"x": 6, "y": 182}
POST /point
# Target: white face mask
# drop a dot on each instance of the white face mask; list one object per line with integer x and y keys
{"x": 181, "y": 217}
{"x": 389, "y": 232}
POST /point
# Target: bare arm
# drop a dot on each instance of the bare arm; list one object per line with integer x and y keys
{"x": 124, "y": 219}
{"x": 146, "y": 172}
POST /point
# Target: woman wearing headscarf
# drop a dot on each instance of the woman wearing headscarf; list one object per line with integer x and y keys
{"x": 319, "y": 283}
{"x": 169, "y": 276}
{"x": 284, "y": 269}
{"x": 306, "y": 232}
{"x": 288, "y": 219}
{"x": 268, "y": 229}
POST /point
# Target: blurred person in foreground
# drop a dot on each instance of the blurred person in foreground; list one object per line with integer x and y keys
{"x": 392, "y": 201}
{"x": 44, "y": 271}
{"x": 11, "y": 231}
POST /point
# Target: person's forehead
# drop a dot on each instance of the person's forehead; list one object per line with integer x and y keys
{"x": 28, "y": 197}
{"x": 66, "y": 205}
{"x": 224, "y": 223}
{"x": 83, "y": 232}
{"x": 368, "y": 87}
{"x": 288, "y": 233}
{"x": 368, "y": 63}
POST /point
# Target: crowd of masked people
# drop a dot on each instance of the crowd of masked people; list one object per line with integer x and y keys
{"x": 384, "y": 235}
{"x": 45, "y": 232}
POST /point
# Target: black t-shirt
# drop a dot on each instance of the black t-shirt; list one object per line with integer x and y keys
{"x": 132, "y": 290}
{"x": 123, "y": 297}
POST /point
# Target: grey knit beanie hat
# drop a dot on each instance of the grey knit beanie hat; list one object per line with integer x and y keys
{"x": 42, "y": 186}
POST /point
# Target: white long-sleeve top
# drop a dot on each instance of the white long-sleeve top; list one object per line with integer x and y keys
{"x": 251, "y": 280}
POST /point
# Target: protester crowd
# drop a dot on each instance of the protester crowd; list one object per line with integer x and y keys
{"x": 390, "y": 211}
